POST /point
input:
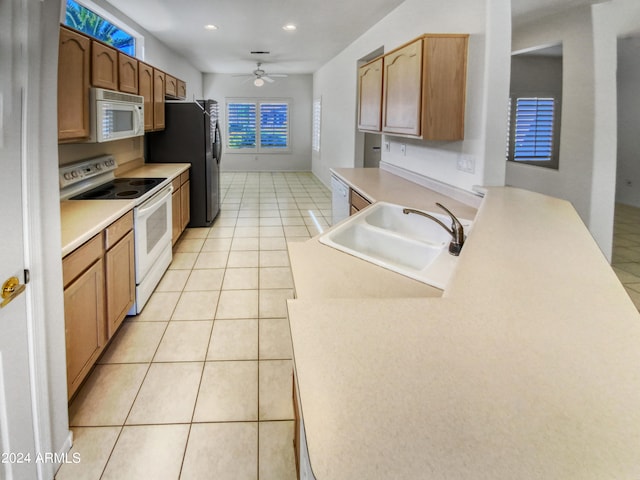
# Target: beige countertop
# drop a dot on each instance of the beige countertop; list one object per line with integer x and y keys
{"x": 527, "y": 367}
{"x": 82, "y": 219}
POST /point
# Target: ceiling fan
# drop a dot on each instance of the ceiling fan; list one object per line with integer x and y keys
{"x": 260, "y": 76}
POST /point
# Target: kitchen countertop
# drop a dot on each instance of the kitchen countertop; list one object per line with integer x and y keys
{"x": 528, "y": 366}
{"x": 82, "y": 219}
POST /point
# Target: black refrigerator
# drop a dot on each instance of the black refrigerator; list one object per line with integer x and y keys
{"x": 192, "y": 135}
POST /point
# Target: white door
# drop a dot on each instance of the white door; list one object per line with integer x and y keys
{"x": 17, "y": 443}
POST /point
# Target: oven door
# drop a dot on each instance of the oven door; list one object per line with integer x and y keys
{"x": 152, "y": 223}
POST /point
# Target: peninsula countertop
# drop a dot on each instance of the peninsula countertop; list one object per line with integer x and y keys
{"x": 527, "y": 366}
{"x": 82, "y": 219}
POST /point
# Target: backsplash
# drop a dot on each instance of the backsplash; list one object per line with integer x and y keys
{"x": 128, "y": 152}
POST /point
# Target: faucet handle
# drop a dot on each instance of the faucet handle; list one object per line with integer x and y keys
{"x": 456, "y": 227}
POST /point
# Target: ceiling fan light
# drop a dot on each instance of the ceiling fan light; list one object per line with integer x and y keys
{"x": 258, "y": 82}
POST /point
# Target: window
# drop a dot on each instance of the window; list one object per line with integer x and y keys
{"x": 258, "y": 125}
{"x": 317, "y": 121}
{"x": 81, "y": 18}
{"x": 533, "y": 131}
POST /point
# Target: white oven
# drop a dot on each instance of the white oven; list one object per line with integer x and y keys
{"x": 152, "y": 224}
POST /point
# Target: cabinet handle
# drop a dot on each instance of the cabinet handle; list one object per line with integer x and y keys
{"x": 10, "y": 290}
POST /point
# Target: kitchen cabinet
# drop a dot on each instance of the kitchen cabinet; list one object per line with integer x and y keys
{"x": 357, "y": 202}
{"x": 159, "y": 82}
{"x": 104, "y": 66}
{"x": 99, "y": 290}
{"x": 119, "y": 271}
{"x": 74, "y": 62}
{"x": 145, "y": 88}
{"x": 182, "y": 90}
{"x": 370, "y": 96}
{"x": 127, "y": 74}
{"x": 84, "y": 310}
{"x": 424, "y": 88}
{"x": 171, "y": 87}
{"x": 180, "y": 205}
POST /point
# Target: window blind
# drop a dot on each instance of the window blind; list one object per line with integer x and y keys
{"x": 241, "y": 121}
{"x": 533, "y": 136}
{"x": 274, "y": 125}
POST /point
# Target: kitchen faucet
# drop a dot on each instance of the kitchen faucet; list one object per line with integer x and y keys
{"x": 456, "y": 231}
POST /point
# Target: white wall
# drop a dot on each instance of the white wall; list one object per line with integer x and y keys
{"x": 588, "y": 141}
{"x": 297, "y": 88}
{"x": 628, "y": 170}
{"x": 336, "y": 84}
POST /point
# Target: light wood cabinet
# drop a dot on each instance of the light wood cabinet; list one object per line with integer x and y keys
{"x": 104, "y": 66}
{"x": 84, "y": 310}
{"x": 180, "y": 205}
{"x": 119, "y": 271}
{"x": 99, "y": 290}
{"x": 171, "y": 86}
{"x": 357, "y": 202}
{"x": 145, "y": 88}
{"x": 159, "y": 81}
{"x": 424, "y": 88}
{"x": 127, "y": 74}
{"x": 370, "y": 96}
{"x": 182, "y": 90}
{"x": 73, "y": 85}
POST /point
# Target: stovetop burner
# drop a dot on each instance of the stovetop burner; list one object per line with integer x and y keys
{"x": 120, "y": 189}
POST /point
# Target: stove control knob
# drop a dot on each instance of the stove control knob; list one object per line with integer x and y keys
{"x": 98, "y": 167}
{"x": 74, "y": 174}
{"x": 67, "y": 176}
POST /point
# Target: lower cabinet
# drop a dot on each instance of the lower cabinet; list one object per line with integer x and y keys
{"x": 357, "y": 202}
{"x": 180, "y": 205}
{"x": 99, "y": 289}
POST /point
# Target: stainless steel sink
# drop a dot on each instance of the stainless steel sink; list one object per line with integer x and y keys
{"x": 407, "y": 244}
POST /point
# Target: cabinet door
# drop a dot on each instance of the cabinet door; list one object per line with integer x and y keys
{"x": 401, "y": 111}
{"x": 104, "y": 66}
{"x": 171, "y": 87}
{"x": 145, "y": 88}
{"x": 158, "y": 99}
{"x": 84, "y": 311}
{"x": 370, "y": 96}
{"x": 182, "y": 90}
{"x": 185, "y": 205}
{"x": 73, "y": 85}
{"x": 121, "y": 282}
{"x": 127, "y": 74}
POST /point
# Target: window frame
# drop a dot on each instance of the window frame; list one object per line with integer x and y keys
{"x": 258, "y": 149}
{"x": 101, "y": 12}
{"x": 554, "y": 160}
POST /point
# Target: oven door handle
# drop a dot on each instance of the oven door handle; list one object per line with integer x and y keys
{"x": 155, "y": 201}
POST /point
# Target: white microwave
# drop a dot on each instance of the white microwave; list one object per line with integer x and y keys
{"x": 115, "y": 115}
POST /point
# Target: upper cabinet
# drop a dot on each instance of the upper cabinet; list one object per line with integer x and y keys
{"x": 423, "y": 87}
{"x": 104, "y": 66}
{"x": 73, "y": 85}
{"x": 85, "y": 62}
{"x": 370, "y": 96}
{"x": 127, "y": 74}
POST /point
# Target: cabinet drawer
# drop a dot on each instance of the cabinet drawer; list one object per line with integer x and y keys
{"x": 184, "y": 176}
{"x": 357, "y": 200}
{"x": 175, "y": 183}
{"x": 81, "y": 258}
{"x": 117, "y": 230}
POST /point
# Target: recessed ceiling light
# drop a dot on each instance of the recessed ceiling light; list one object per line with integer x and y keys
{"x": 289, "y": 27}
{"x": 211, "y": 27}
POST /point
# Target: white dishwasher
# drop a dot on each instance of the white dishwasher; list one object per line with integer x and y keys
{"x": 339, "y": 200}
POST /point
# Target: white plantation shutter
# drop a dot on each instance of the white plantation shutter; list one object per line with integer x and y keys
{"x": 533, "y": 136}
{"x": 274, "y": 125}
{"x": 241, "y": 125}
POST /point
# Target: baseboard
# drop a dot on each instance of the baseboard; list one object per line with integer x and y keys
{"x": 469, "y": 198}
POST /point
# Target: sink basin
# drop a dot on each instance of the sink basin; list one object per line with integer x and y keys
{"x": 411, "y": 245}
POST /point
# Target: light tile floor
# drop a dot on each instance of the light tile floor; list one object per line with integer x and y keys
{"x": 626, "y": 249}
{"x": 198, "y": 386}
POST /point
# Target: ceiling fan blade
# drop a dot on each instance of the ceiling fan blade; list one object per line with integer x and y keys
{"x": 266, "y": 78}
{"x": 278, "y": 75}
{"x": 242, "y": 75}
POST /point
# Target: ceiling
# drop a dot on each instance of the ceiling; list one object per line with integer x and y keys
{"x": 324, "y": 28}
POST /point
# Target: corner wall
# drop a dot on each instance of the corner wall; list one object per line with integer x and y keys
{"x": 336, "y": 83}
{"x": 297, "y": 88}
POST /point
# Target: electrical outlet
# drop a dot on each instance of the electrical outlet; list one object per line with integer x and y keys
{"x": 403, "y": 149}
{"x": 466, "y": 163}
